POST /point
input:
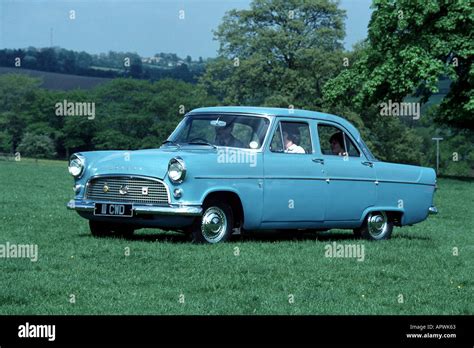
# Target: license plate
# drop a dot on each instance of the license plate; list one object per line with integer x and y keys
{"x": 113, "y": 209}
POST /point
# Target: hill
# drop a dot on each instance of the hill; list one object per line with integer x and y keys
{"x": 58, "y": 81}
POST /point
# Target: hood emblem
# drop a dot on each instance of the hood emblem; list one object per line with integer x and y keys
{"x": 105, "y": 188}
{"x": 123, "y": 190}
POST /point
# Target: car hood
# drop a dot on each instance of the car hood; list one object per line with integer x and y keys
{"x": 150, "y": 162}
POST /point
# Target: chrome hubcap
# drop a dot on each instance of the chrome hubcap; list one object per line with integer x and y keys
{"x": 377, "y": 224}
{"x": 214, "y": 224}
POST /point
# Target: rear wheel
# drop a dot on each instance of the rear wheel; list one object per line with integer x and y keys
{"x": 377, "y": 226}
{"x": 104, "y": 229}
{"x": 215, "y": 225}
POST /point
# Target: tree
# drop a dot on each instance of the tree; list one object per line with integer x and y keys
{"x": 38, "y": 146}
{"x": 67, "y": 59}
{"x": 17, "y": 93}
{"x": 47, "y": 60}
{"x": 5, "y": 142}
{"x": 136, "y": 67}
{"x": 83, "y": 60}
{"x": 278, "y": 52}
{"x": 410, "y": 46}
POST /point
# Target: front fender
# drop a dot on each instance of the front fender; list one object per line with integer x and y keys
{"x": 250, "y": 195}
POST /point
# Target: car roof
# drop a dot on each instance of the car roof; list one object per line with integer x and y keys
{"x": 282, "y": 112}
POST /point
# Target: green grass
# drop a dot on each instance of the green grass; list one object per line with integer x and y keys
{"x": 417, "y": 262}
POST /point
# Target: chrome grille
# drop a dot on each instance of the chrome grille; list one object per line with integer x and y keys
{"x": 157, "y": 191}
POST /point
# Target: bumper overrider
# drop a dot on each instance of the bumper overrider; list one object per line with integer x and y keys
{"x": 141, "y": 209}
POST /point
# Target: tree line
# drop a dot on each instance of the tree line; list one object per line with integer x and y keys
{"x": 110, "y": 65}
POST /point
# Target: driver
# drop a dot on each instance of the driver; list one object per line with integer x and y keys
{"x": 224, "y": 137}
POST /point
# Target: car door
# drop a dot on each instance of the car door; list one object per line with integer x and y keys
{"x": 294, "y": 186}
{"x": 351, "y": 177}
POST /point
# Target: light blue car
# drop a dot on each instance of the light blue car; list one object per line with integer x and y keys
{"x": 227, "y": 170}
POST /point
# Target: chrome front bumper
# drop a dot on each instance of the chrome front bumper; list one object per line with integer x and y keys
{"x": 172, "y": 209}
{"x": 433, "y": 210}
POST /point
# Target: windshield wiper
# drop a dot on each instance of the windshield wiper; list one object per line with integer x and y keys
{"x": 202, "y": 143}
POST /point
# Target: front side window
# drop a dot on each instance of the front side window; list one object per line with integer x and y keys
{"x": 335, "y": 142}
{"x": 247, "y": 132}
{"x": 366, "y": 151}
{"x": 292, "y": 137}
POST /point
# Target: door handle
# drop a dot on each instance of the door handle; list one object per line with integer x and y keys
{"x": 318, "y": 160}
{"x": 368, "y": 164}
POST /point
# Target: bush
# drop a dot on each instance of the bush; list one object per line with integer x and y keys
{"x": 37, "y": 146}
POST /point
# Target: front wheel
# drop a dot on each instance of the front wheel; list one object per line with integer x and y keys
{"x": 215, "y": 225}
{"x": 377, "y": 226}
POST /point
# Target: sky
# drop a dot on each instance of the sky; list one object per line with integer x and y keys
{"x": 142, "y": 26}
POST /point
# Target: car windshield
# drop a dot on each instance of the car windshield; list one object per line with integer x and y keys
{"x": 247, "y": 132}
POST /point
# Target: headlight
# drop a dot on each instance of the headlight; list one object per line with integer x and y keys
{"x": 176, "y": 170}
{"x": 76, "y": 165}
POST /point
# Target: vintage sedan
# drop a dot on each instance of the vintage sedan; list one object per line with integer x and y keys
{"x": 228, "y": 170}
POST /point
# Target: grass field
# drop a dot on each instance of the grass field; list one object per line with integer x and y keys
{"x": 417, "y": 263}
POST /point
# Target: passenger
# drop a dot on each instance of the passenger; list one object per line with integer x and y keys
{"x": 224, "y": 137}
{"x": 291, "y": 140}
{"x": 336, "y": 141}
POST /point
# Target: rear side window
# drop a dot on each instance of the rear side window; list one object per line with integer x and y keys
{"x": 335, "y": 142}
